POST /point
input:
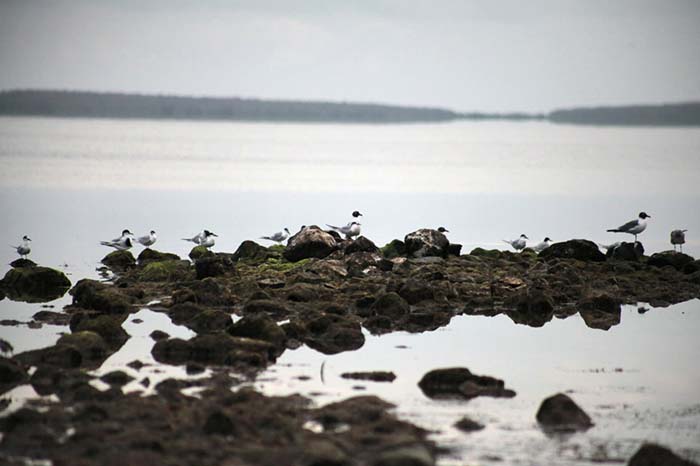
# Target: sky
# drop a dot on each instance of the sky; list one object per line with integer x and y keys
{"x": 466, "y": 55}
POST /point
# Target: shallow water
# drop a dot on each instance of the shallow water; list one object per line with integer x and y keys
{"x": 69, "y": 183}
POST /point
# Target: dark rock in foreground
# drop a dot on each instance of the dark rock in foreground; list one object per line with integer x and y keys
{"x": 579, "y": 249}
{"x": 310, "y": 242}
{"x": 459, "y": 382}
{"x": 11, "y": 374}
{"x": 651, "y": 454}
{"x": 375, "y": 376}
{"x": 34, "y": 284}
{"x": 559, "y": 413}
{"x": 677, "y": 260}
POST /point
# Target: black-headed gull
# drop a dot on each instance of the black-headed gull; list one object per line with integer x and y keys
{"x": 633, "y": 227}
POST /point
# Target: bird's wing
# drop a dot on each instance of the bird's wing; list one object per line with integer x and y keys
{"x": 628, "y": 226}
{"x": 332, "y": 227}
{"x": 508, "y": 242}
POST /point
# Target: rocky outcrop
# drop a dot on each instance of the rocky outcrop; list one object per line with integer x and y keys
{"x": 626, "y": 252}
{"x": 34, "y": 284}
{"x": 560, "y": 413}
{"x": 151, "y": 255}
{"x": 651, "y": 454}
{"x": 361, "y": 244}
{"x": 459, "y": 382}
{"x": 119, "y": 260}
{"x": 579, "y": 249}
{"x": 426, "y": 243}
{"x": 310, "y": 242}
{"x": 677, "y": 260}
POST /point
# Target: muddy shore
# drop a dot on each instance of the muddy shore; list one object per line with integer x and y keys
{"x": 319, "y": 291}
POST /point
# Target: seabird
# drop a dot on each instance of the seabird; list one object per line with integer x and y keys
{"x": 122, "y": 243}
{"x": 23, "y": 249}
{"x": 278, "y": 237}
{"x": 608, "y": 247}
{"x": 200, "y": 237}
{"x": 518, "y": 244}
{"x": 208, "y": 240}
{"x": 350, "y": 230}
{"x": 147, "y": 240}
{"x": 356, "y": 214}
{"x": 538, "y": 248}
{"x": 678, "y": 238}
{"x": 443, "y": 230}
{"x": 633, "y": 227}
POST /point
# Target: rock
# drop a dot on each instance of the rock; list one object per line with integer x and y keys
{"x": 158, "y": 335}
{"x": 600, "y": 311}
{"x": 62, "y": 356}
{"x": 116, "y": 378}
{"x": 390, "y": 305}
{"x": 361, "y": 244}
{"x": 34, "y": 284}
{"x": 11, "y": 374}
{"x": 208, "y": 321}
{"x": 151, "y": 255}
{"x": 396, "y": 248}
{"x": 332, "y": 334}
{"x": 677, "y": 260}
{"x": 273, "y": 283}
{"x": 90, "y": 294}
{"x": 481, "y": 252}
{"x": 215, "y": 348}
{"x": 166, "y": 271}
{"x": 374, "y": 376}
{"x": 266, "y": 306}
{"x": 579, "y": 249}
{"x": 426, "y": 243}
{"x": 51, "y": 318}
{"x": 198, "y": 252}
{"x": 467, "y": 425}
{"x": 119, "y": 260}
{"x": 309, "y": 242}
{"x": 651, "y": 454}
{"x": 184, "y": 312}
{"x": 90, "y": 345}
{"x": 415, "y": 291}
{"x": 600, "y": 320}
{"x": 303, "y": 292}
{"x": 461, "y": 383}
{"x": 19, "y": 263}
{"x": 6, "y": 346}
{"x": 560, "y": 413}
{"x": 259, "y": 327}
{"x": 218, "y": 424}
{"x": 253, "y": 253}
{"x": 454, "y": 249}
{"x": 107, "y": 326}
{"x": 212, "y": 266}
{"x": 691, "y": 267}
{"x": 406, "y": 455}
{"x": 533, "y": 307}
{"x": 626, "y": 252}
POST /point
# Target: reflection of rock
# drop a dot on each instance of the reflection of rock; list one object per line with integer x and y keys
{"x": 309, "y": 242}
{"x": 459, "y": 382}
{"x": 580, "y": 249}
{"x": 34, "y": 284}
{"x": 119, "y": 260}
{"x": 331, "y": 334}
{"x": 468, "y": 425}
{"x": 559, "y": 413}
{"x": 532, "y": 307}
{"x": 426, "y": 242}
{"x": 677, "y": 260}
{"x": 260, "y": 327}
{"x": 651, "y": 454}
{"x": 600, "y": 311}
{"x": 600, "y": 320}
{"x": 375, "y": 376}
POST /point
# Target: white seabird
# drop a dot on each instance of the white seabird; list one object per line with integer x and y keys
{"x": 678, "y": 238}
{"x": 539, "y": 247}
{"x": 200, "y": 237}
{"x": 278, "y": 237}
{"x": 608, "y": 247}
{"x": 208, "y": 240}
{"x": 122, "y": 243}
{"x": 147, "y": 240}
{"x": 443, "y": 230}
{"x": 633, "y": 227}
{"x": 350, "y": 230}
{"x": 518, "y": 244}
{"x": 23, "y": 249}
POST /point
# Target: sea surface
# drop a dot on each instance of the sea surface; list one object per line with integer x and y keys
{"x": 69, "y": 183}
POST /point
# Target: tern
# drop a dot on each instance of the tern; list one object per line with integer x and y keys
{"x": 147, "y": 240}
{"x": 23, "y": 249}
{"x": 199, "y": 238}
{"x": 677, "y": 238}
{"x": 278, "y": 237}
{"x": 208, "y": 240}
{"x": 518, "y": 244}
{"x": 122, "y": 243}
{"x": 443, "y": 230}
{"x": 350, "y": 230}
{"x": 633, "y": 227}
{"x": 538, "y": 248}
{"x": 356, "y": 214}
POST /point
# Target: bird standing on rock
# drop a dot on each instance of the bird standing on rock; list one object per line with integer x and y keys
{"x": 278, "y": 237}
{"x": 205, "y": 236}
{"x": 633, "y": 227}
{"x": 678, "y": 238}
{"x": 122, "y": 243}
{"x": 538, "y": 248}
{"x": 147, "y": 240}
{"x": 518, "y": 244}
{"x": 23, "y": 249}
{"x": 351, "y": 230}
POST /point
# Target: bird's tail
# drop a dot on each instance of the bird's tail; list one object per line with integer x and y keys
{"x": 105, "y": 243}
{"x": 507, "y": 242}
{"x": 188, "y": 239}
{"x": 267, "y": 238}
{"x": 332, "y": 227}
{"x": 613, "y": 230}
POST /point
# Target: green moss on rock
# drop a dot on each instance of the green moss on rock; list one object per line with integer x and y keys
{"x": 164, "y": 271}
{"x": 34, "y": 284}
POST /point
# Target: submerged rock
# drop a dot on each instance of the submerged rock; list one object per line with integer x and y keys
{"x": 119, "y": 259}
{"x": 651, "y": 454}
{"x": 468, "y": 425}
{"x": 310, "y": 242}
{"x": 461, "y": 383}
{"x": 374, "y": 376}
{"x": 34, "y": 284}
{"x": 425, "y": 243}
{"x": 579, "y": 249}
{"x": 560, "y": 413}
{"x": 533, "y": 307}
{"x": 332, "y": 334}
{"x": 259, "y": 327}
{"x": 677, "y": 260}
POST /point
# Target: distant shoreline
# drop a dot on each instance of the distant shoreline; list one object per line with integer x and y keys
{"x": 78, "y": 104}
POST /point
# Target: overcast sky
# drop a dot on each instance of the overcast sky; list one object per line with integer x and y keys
{"x": 488, "y": 55}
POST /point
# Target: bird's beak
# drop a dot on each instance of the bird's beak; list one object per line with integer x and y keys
{"x": 214, "y": 234}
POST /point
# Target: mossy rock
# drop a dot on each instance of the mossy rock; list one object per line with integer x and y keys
{"x": 90, "y": 294}
{"x": 198, "y": 252}
{"x": 396, "y": 248}
{"x": 90, "y": 344}
{"x": 119, "y": 259}
{"x": 164, "y": 271}
{"x": 280, "y": 265}
{"x": 481, "y": 252}
{"x": 19, "y": 263}
{"x": 251, "y": 252}
{"x": 107, "y": 326}
{"x": 35, "y": 284}
{"x": 151, "y": 255}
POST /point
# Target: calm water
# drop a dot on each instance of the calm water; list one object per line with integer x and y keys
{"x": 69, "y": 183}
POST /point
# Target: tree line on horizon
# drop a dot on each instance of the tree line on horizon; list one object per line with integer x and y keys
{"x": 116, "y": 105}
